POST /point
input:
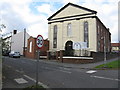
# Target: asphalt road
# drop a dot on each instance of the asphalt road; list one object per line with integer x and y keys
{"x": 57, "y": 76}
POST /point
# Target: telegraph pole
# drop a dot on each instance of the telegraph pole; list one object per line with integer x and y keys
{"x": 24, "y": 41}
{"x": 11, "y": 41}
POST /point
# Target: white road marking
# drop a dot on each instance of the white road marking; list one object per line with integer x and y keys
{"x": 19, "y": 71}
{"x": 45, "y": 86}
{"x": 57, "y": 70}
{"x": 65, "y": 71}
{"x": 21, "y": 81}
{"x": 105, "y": 78}
{"x": 64, "y": 68}
{"x": 91, "y": 71}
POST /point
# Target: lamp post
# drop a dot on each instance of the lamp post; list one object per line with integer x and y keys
{"x": 103, "y": 38}
{"x": 104, "y": 51}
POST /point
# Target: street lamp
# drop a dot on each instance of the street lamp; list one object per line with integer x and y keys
{"x": 104, "y": 50}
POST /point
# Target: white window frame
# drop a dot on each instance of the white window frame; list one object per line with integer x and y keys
{"x": 30, "y": 49}
{"x": 69, "y": 29}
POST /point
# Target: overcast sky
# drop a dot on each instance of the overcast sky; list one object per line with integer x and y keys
{"x": 33, "y": 14}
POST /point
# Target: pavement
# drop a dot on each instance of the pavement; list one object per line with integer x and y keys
{"x": 9, "y": 79}
{"x": 79, "y": 66}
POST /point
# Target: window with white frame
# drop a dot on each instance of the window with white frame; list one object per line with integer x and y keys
{"x": 30, "y": 49}
{"x": 69, "y": 29}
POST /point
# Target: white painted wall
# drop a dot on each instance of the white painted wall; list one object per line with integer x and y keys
{"x": 77, "y": 33}
{"x": 77, "y": 28}
{"x": 18, "y": 42}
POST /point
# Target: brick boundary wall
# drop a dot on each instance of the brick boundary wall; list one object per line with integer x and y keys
{"x": 99, "y": 56}
{"x": 76, "y": 61}
{"x": 60, "y": 58}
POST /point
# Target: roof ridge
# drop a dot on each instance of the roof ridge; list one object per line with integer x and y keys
{"x": 75, "y": 5}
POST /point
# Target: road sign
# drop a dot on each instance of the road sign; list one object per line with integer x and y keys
{"x": 39, "y": 41}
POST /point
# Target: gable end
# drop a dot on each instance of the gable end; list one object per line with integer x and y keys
{"x": 92, "y": 11}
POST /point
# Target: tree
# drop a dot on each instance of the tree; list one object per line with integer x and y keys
{"x": 2, "y": 26}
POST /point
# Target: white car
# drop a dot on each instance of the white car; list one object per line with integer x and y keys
{"x": 14, "y": 54}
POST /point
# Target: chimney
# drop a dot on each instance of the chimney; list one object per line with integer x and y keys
{"x": 14, "y": 31}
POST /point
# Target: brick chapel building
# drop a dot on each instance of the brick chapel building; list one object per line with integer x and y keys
{"x": 74, "y": 23}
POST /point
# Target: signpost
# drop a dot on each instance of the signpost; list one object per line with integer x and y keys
{"x": 39, "y": 43}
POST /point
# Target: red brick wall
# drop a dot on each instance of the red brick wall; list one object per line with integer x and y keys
{"x": 103, "y": 32}
{"x": 33, "y": 54}
{"x": 77, "y": 61}
{"x": 45, "y": 48}
{"x": 34, "y": 48}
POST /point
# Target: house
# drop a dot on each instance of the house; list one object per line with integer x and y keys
{"x": 115, "y": 47}
{"x": 31, "y": 51}
{"x": 18, "y": 41}
{"x": 74, "y": 23}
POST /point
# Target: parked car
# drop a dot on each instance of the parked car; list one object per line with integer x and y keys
{"x": 14, "y": 54}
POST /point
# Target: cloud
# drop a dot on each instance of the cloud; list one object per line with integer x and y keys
{"x": 10, "y": 18}
{"x": 38, "y": 29}
{"x": 45, "y": 8}
{"x": 72, "y": 1}
{"x": 107, "y": 11}
{"x": 40, "y": 26}
{"x": 17, "y": 14}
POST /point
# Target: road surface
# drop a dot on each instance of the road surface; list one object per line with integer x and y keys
{"x": 56, "y": 76}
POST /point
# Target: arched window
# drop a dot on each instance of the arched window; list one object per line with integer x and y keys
{"x": 30, "y": 49}
{"x": 69, "y": 29}
{"x": 86, "y": 37}
{"x": 55, "y": 37}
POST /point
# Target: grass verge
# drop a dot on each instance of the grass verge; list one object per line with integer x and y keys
{"x": 111, "y": 65}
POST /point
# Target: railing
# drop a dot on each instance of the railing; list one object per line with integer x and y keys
{"x": 77, "y": 53}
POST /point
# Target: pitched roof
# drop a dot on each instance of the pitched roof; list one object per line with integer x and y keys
{"x": 74, "y": 6}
